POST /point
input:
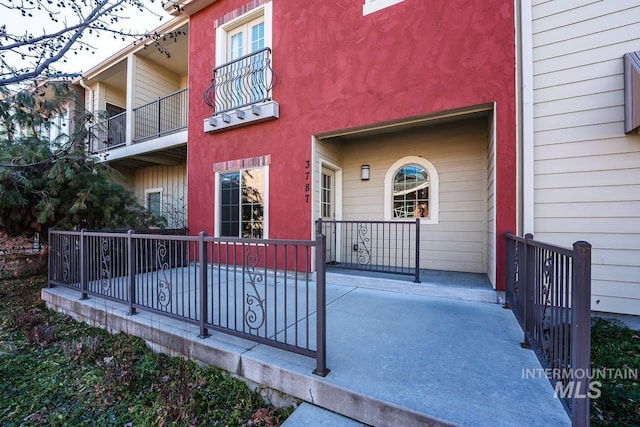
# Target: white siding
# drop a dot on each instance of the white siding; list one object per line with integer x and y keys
{"x": 586, "y": 170}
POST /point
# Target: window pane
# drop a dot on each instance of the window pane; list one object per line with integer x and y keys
{"x": 230, "y": 204}
{"x": 153, "y": 203}
{"x": 242, "y": 204}
{"x": 327, "y": 199}
{"x": 236, "y": 46}
{"x": 411, "y": 192}
{"x": 252, "y": 203}
{"x": 257, "y": 37}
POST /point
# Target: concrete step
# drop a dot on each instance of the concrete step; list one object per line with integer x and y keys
{"x": 310, "y": 415}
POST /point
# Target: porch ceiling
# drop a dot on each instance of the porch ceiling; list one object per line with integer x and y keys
{"x": 168, "y": 157}
{"x": 170, "y": 53}
{"x": 474, "y": 112}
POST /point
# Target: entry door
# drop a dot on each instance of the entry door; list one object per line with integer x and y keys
{"x": 327, "y": 210}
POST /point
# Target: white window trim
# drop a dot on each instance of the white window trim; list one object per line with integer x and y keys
{"x": 434, "y": 188}
{"x": 222, "y": 48}
{"x": 217, "y": 200}
{"x": 371, "y": 6}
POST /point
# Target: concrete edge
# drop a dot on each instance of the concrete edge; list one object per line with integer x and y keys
{"x": 423, "y": 289}
{"x": 309, "y": 388}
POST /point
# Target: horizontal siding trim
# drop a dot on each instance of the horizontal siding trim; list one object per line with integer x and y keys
{"x": 577, "y": 149}
{"x": 615, "y": 305}
{"x": 619, "y": 201}
{"x": 587, "y": 209}
{"x": 588, "y": 163}
{"x": 605, "y": 178}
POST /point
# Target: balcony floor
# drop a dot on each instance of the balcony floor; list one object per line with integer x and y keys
{"x": 400, "y": 353}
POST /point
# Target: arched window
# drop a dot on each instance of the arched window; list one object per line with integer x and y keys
{"x": 411, "y": 190}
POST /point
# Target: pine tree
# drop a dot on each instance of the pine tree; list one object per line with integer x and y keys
{"x": 45, "y": 183}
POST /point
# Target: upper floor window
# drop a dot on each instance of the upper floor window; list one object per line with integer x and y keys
{"x": 371, "y": 6}
{"x": 411, "y": 190}
{"x": 242, "y": 76}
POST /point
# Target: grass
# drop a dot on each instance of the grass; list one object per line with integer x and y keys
{"x": 56, "y": 372}
{"x": 616, "y": 347}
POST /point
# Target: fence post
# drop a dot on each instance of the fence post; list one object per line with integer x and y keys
{"x": 319, "y": 226}
{"x": 417, "y": 276}
{"x": 321, "y": 308}
{"x": 581, "y": 332}
{"x": 509, "y": 280}
{"x": 51, "y": 269}
{"x": 131, "y": 268}
{"x": 529, "y": 288}
{"x": 84, "y": 267}
{"x": 202, "y": 251}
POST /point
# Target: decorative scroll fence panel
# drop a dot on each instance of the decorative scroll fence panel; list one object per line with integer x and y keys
{"x": 163, "y": 116}
{"x": 108, "y": 134}
{"x": 380, "y": 246}
{"x": 549, "y": 290}
{"x": 263, "y": 290}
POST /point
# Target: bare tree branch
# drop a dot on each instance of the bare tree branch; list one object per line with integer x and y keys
{"x": 25, "y": 56}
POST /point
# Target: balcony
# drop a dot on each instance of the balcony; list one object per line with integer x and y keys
{"x": 168, "y": 114}
{"x": 108, "y": 134}
{"x": 164, "y": 116}
{"x": 241, "y": 92}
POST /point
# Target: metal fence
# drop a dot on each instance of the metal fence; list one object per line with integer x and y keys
{"x": 241, "y": 82}
{"x": 108, "y": 134}
{"x": 163, "y": 116}
{"x": 377, "y": 246}
{"x": 549, "y": 290}
{"x": 263, "y": 290}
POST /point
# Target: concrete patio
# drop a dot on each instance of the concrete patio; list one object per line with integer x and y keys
{"x": 442, "y": 352}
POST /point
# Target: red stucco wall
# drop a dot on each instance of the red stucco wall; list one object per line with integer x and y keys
{"x": 337, "y": 69}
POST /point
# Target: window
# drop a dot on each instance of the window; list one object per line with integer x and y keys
{"x": 411, "y": 190}
{"x": 327, "y": 197}
{"x": 241, "y": 203}
{"x": 631, "y": 91}
{"x": 371, "y": 6}
{"x": 241, "y": 89}
{"x": 154, "y": 201}
{"x": 247, "y": 75}
{"x": 243, "y": 35}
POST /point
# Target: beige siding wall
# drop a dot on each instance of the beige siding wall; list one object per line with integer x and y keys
{"x": 459, "y": 153}
{"x": 172, "y": 182}
{"x": 153, "y": 81}
{"x": 103, "y": 94}
{"x": 491, "y": 205}
{"x": 586, "y": 170}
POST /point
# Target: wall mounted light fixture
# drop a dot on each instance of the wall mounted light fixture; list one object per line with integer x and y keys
{"x": 365, "y": 172}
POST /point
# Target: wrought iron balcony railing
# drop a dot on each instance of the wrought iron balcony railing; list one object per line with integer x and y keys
{"x": 108, "y": 134}
{"x": 163, "y": 116}
{"x": 241, "y": 82}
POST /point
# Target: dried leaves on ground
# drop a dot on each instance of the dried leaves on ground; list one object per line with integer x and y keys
{"x": 56, "y": 371}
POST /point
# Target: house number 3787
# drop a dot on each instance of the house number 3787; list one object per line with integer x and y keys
{"x": 307, "y": 180}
